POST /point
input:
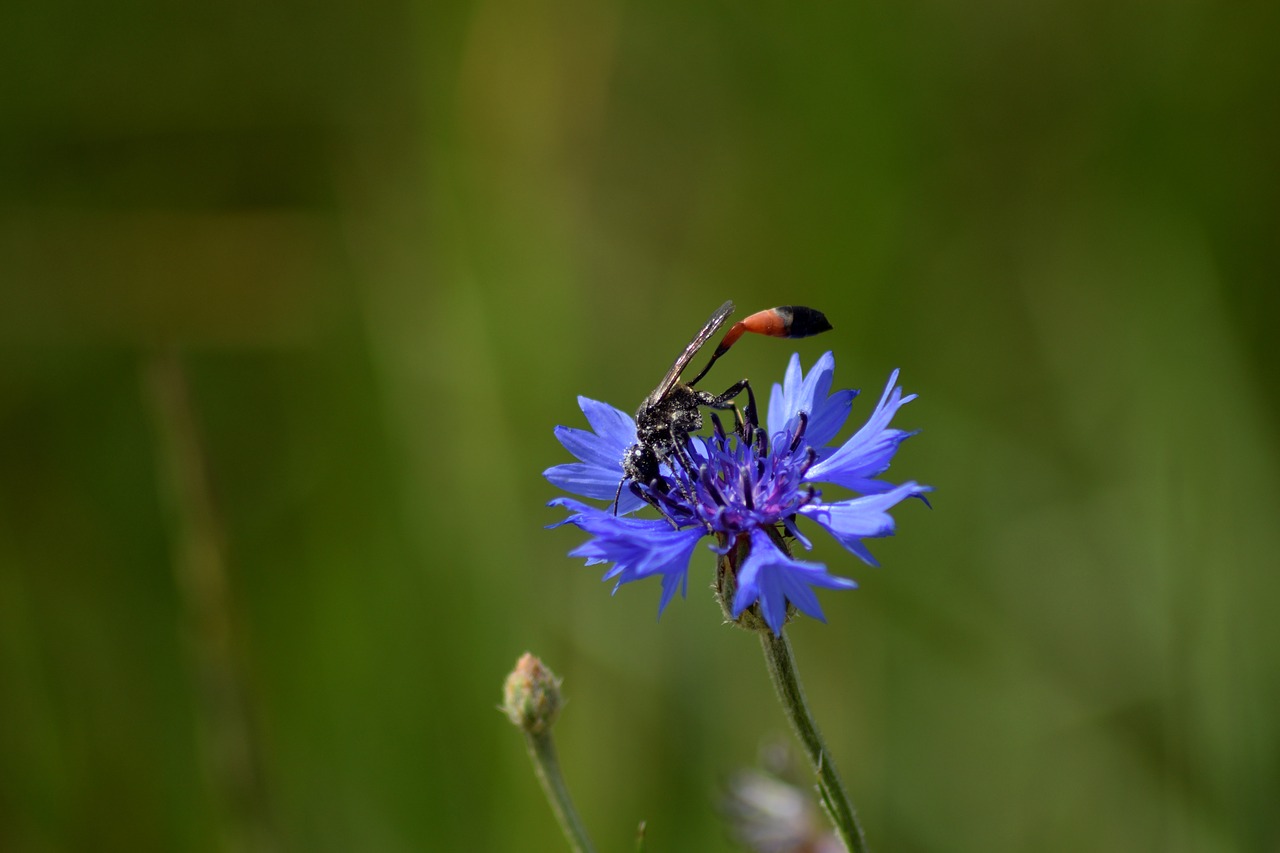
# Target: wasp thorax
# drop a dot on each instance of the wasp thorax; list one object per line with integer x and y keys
{"x": 671, "y": 418}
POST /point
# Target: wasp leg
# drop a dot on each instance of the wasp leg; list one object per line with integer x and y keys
{"x": 680, "y": 453}
{"x": 724, "y": 401}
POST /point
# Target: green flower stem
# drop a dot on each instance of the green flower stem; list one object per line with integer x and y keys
{"x": 786, "y": 681}
{"x": 542, "y": 749}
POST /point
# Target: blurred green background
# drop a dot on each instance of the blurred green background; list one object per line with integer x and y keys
{"x": 292, "y": 296}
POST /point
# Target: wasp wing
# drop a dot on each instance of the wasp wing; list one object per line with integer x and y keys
{"x": 673, "y": 375}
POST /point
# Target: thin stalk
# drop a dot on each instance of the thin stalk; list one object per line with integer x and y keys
{"x": 542, "y": 749}
{"x": 786, "y": 681}
{"x": 228, "y": 747}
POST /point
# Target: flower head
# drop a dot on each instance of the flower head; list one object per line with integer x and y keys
{"x": 745, "y": 489}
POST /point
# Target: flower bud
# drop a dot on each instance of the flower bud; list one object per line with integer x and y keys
{"x": 531, "y": 696}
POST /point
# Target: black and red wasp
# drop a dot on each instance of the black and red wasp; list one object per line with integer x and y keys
{"x": 671, "y": 413}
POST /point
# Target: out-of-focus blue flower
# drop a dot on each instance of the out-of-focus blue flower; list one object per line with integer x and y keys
{"x": 741, "y": 490}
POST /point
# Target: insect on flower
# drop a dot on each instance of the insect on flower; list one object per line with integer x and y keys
{"x": 671, "y": 411}
{"x": 746, "y": 489}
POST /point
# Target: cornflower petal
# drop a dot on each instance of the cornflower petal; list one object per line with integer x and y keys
{"x": 609, "y": 422}
{"x": 589, "y": 481}
{"x": 600, "y": 470}
{"x": 589, "y": 447}
{"x": 856, "y": 519}
{"x": 580, "y": 511}
{"x": 784, "y": 399}
{"x": 868, "y": 452}
{"x": 663, "y": 552}
{"x": 772, "y": 578}
{"x": 637, "y": 547}
{"x": 809, "y": 394}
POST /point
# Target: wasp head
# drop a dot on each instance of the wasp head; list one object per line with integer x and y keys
{"x": 640, "y": 463}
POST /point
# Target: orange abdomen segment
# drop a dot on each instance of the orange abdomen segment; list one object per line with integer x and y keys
{"x": 785, "y": 321}
{"x": 773, "y": 322}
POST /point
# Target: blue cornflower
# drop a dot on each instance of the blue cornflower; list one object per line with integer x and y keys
{"x": 745, "y": 490}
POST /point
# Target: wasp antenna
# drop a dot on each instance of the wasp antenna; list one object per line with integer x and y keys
{"x": 617, "y": 496}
